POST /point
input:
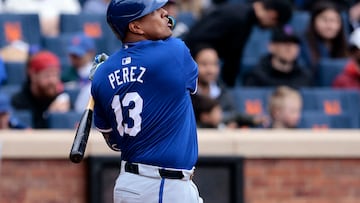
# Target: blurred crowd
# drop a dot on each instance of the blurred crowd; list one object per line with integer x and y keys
{"x": 282, "y": 48}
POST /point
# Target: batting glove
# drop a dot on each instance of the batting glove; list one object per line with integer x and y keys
{"x": 98, "y": 60}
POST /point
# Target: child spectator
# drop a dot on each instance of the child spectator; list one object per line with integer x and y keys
{"x": 208, "y": 112}
{"x": 210, "y": 86}
{"x": 325, "y": 37}
{"x": 280, "y": 66}
{"x": 350, "y": 77}
{"x": 43, "y": 90}
{"x": 285, "y": 107}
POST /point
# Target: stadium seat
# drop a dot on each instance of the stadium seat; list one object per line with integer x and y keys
{"x": 10, "y": 89}
{"x": 319, "y": 120}
{"x": 333, "y": 102}
{"x": 330, "y": 101}
{"x": 94, "y": 26}
{"x": 73, "y": 92}
{"x": 58, "y": 46}
{"x": 328, "y": 69}
{"x": 16, "y": 73}
{"x": 252, "y": 101}
{"x": 24, "y": 27}
{"x": 67, "y": 120}
{"x": 300, "y": 21}
{"x": 22, "y": 116}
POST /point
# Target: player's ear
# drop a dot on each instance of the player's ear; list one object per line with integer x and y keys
{"x": 135, "y": 27}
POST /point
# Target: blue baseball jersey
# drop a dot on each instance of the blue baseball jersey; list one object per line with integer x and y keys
{"x": 142, "y": 98}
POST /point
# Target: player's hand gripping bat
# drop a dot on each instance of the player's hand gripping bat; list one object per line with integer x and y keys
{"x": 82, "y": 133}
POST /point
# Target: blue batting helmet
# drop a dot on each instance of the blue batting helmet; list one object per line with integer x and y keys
{"x": 121, "y": 12}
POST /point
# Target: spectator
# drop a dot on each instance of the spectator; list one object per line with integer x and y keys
{"x": 43, "y": 90}
{"x": 7, "y": 121}
{"x": 210, "y": 86}
{"x": 81, "y": 52}
{"x": 285, "y": 107}
{"x": 48, "y": 10}
{"x": 280, "y": 66}
{"x": 325, "y": 36}
{"x": 96, "y": 6}
{"x": 227, "y": 29}
{"x": 208, "y": 112}
{"x": 350, "y": 77}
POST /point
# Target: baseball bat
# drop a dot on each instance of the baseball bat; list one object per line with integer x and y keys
{"x": 82, "y": 133}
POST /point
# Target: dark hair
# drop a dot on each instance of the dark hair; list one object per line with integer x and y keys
{"x": 198, "y": 48}
{"x": 282, "y": 7}
{"x": 203, "y": 104}
{"x": 338, "y": 44}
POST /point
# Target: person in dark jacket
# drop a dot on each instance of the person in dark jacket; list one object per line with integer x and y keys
{"x": 227, "y": 29}
{"x": 280, "y": 66}
{"x": 43, "y": 92}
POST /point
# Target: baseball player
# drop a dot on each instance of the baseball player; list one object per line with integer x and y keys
{"x": 143, "y": 106}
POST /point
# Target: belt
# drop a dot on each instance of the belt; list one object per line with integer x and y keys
{"x": 153, "y": 171}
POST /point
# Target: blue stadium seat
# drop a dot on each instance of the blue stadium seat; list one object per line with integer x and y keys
{"x": 94, "y": 26}
{"x": 300, "y": 21}
{"x": 252, "y": 101}
{"x": 68, "y": 120}
{"x": 316, "y": 119}
{"x": 333, "y": 102}
{"x": 25, "y": 27}
{"x": 73, "y": 92}
{"x": 16, "y": 73}
{"x": 328, "y": 69}
{"x": 23, "y": 116}
{"x": 10, "y": 89}
{"x": 58, "y": 45}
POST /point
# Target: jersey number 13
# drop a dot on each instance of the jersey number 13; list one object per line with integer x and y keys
{"x": 134, "y": 113}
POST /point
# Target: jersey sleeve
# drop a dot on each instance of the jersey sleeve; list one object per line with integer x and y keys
{"x": 191, "y": 71}
{"x": 101, "y": 123}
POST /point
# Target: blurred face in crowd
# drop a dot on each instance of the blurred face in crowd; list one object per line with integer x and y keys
{"x": 46, "y": 83}
{"x": 208, "y": 65}
{"x": 266, "y": 17}
{"x": 212, "y": 118}
{"x": 328, "y": 24}
{"x": 288, "y": 114}
{"x": 284, "y": 55}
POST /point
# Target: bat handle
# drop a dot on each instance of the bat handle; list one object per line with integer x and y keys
{"x": 82, "y": 134}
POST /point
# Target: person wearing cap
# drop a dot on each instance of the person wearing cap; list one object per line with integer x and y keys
{"x": 280, "y": 66}
{"x": 349, "y": 78}
{"x": 43, "y": 91}
{"x": 227, "y": 28}
{"x": 81, "y": 51}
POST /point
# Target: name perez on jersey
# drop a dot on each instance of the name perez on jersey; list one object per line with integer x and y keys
{"x": 125, "y": 75}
